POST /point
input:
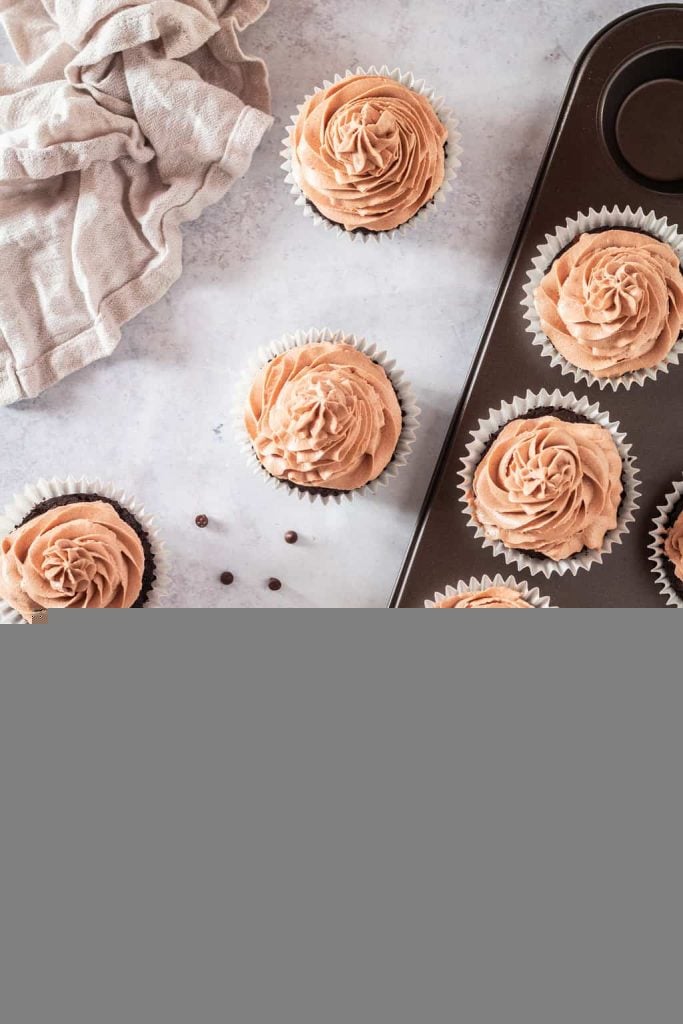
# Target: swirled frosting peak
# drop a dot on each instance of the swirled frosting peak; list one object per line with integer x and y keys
{"x": 324, "y": 416}
{"x": 493, "y": 597}
{"x": 613, "y": 302}
{"x": 673, "y": 547}
{"x": 369, "y": 153}
{"x": 81, "y": 555}
{"x": 549, "y": 486}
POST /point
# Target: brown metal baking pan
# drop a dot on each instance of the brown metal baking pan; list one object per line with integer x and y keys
{"x": 618, "y": 141}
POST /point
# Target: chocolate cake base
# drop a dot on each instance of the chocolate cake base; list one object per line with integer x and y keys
{"x": 567, "y": 416}
{"x": 149, "y": 574}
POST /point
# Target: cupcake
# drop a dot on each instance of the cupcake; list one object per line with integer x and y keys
{"x": 370, "y": 152}
{"x": 605, "y": 300}
{"x": 325, "y": 418}
{"x": 549, "y": 485}
{"x": 490, "y": 593}
{"x": 81, "y": 549}
{"x": 492, "y": 597}
{"x": 613, "y": 302}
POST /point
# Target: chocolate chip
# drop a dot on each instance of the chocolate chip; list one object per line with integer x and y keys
{"x": 274, "y": 584}
{"x": 227, "y": 578}
{"x": 291, "y": 537}
{"x": 202, "y": 522}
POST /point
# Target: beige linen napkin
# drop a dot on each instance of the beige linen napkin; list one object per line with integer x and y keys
{"x": 127, "y": 118}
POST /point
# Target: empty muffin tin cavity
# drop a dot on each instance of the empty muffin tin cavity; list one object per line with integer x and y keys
{"x": 642, "y": 118}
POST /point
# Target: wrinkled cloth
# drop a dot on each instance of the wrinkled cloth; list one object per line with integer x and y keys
{"x": 127, "y": 118}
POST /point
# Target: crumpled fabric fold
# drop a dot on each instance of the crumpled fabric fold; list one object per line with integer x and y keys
{"x": 125, "y": 119}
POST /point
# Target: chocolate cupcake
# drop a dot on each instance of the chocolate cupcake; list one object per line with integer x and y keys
{"x": 605, "y": 298}
{"x": 549, "y": 483}
{"x": 496, "y": 593}
{"x": 72, "y": 544}
{"x": 370, "y": 152}
{"x": 327, "y": 416}
{"x": 667, "y": 547}
{"x": 492, "y": 598}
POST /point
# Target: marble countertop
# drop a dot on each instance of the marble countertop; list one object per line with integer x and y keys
{"x": 155, "y": 417}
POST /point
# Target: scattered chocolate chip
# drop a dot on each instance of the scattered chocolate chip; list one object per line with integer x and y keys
{"x": 291, "y": 537}
{"x": 202, "y": 522}
{"x": 274, "y": 584}
{"x": 227, "y": 578}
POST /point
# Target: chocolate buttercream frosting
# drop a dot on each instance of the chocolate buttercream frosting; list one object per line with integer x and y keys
{"x": 493, "y": 597}
{"x": 323, "y": 416}
{"x": 80, "y": 555}
{"x": 549, "y": 486}
{"x": 369, "y": 153}
{"x": 613, "y": 302}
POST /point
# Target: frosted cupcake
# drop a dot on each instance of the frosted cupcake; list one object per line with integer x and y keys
{"x": 492, "y": 597}
{"x": 78, "y": 550}
{"x": 369, "y": 153}
{"x": 486, "y": 592}
{"x": 549, "y": 485}
{"x": 323, "y": 418}
{"x": 612, "y": 303}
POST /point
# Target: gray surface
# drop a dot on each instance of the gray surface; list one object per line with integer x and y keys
{"x": 422, "y": 825}
{"x": 155, "y": 418}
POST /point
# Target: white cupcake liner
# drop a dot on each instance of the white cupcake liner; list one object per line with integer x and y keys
{"x": 474, "y": 586}
{"x": 517, "y": 409}
{"x": 638, "y": 220}
{"x": 659, "y": 558}
{"x": 24, "y": 503}
{"x": 404, "y": 392}
{"x": 453, "y": 153}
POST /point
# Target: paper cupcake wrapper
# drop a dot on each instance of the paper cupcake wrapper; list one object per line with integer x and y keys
{"x": 404, "y": 392}
{"x": 555, "y": 244}
{"x": 517, "y": 409}
{"x": 453, "y": 153}
{"x": 23, "y": 503}
{"x": 662, "y": 525}
{"x": 531, "y": 595}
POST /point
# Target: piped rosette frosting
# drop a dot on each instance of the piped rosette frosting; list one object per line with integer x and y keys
{"x": 492, "y": 597}
{"x": 368, "y": 152}
{"x": 79, "y": 555}
{"x": 673, "y": 547}
{"x": 323, "y": 416}
{"x": 612, "y": 303}
{"x": 549, "y": 486}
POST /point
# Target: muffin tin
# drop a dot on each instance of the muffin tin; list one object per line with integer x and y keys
{"x": 618, "y": 141}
